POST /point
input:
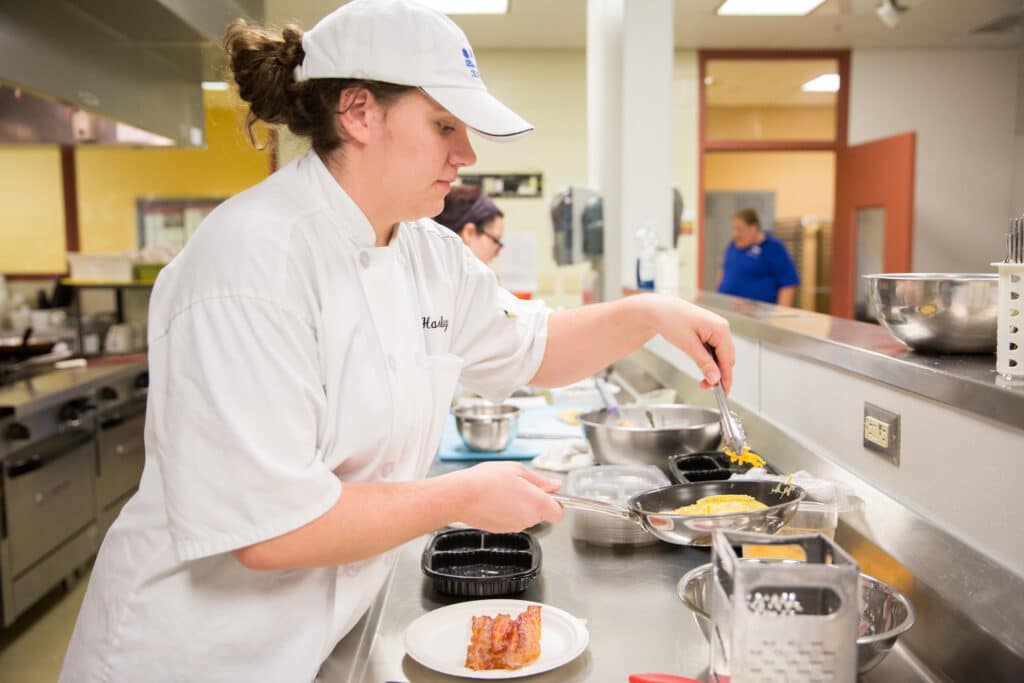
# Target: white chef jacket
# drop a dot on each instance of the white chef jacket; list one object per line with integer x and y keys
{"x": 287, "y": 356}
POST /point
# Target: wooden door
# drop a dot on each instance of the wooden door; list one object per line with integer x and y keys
{"x": 874, "y": 185}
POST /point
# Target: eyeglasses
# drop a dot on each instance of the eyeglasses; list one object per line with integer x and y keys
{"x": 501, "y": 245}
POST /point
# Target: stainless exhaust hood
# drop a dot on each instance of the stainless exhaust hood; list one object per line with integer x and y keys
{"x": 97, "y": 65}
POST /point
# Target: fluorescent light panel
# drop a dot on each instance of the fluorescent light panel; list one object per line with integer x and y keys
{"x": 822, "y": 83}
{"x": 768, "y": 8}
{"x": 468, "y": 6}
{"x": 215, "y": 85}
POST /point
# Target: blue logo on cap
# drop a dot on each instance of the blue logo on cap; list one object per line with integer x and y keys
{"x": 467, "y": 56}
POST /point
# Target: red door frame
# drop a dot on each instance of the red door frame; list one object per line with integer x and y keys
{"x": 842, "y": 58}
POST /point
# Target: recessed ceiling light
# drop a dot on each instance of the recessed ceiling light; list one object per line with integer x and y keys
{"x": 709, "y": 80}
{"x": 468, "y": 6}
{"x": 764, "y": 8}
{"x": 215, "y": 85}
{"x": 822, "y": 83}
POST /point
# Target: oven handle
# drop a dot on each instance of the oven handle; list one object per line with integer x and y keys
{"x": 45, "y": 452}
{"x": 122, "y": 413}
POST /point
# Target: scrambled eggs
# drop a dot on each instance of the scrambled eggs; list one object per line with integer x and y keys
{"x": 718, "y": 505}
{"x": 570, "y": 417}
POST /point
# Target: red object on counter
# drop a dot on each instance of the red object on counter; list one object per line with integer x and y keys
{"x": 660, "y": 678}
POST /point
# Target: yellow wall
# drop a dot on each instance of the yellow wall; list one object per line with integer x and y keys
{"x": 111, "y": 179}
{"x": 803, "y": 182}
{"x": 32, "y": 197}
{"x": 771, "y": 123}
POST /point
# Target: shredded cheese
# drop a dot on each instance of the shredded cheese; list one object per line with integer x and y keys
{"x": 747, "y": 457}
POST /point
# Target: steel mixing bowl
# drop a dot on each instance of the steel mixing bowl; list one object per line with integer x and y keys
{"x": 938, "y": 312}
{"x": 885, "y": 613}
{"x": 629, "y": 439}
{"x": 487, "y": 428}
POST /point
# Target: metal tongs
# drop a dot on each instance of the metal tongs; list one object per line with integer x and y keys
{"x": 732, "y": 431}
{"x": 610, "y": 404}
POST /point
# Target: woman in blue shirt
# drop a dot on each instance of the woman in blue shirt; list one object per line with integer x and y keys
{"x": 757, "y": 266}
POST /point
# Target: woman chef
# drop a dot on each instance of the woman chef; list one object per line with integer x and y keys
{"x": 303, "y": 348}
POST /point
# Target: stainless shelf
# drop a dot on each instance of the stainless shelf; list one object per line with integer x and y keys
{"x": 967, "y": 383}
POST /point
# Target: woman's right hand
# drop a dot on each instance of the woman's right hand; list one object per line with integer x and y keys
{"x": 505, "y": 497}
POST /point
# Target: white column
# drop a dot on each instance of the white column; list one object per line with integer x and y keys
{"x": 604, "y": 122}
{"x": 629, "y": 126}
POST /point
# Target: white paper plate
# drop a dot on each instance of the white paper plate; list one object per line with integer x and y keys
{"x": 438, "y": 639}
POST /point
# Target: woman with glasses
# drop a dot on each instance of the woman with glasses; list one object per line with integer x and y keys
{"x": 472, "y": 215}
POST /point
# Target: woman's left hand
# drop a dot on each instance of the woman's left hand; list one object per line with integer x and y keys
{"x": 690, "y": 327}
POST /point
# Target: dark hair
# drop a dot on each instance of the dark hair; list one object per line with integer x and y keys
{"x": 467, "y": 204}
{"x": 748, "y": 216}
{"x": 262, "y": 62}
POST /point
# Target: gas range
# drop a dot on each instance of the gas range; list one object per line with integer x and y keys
{"x": 71, "y": 453}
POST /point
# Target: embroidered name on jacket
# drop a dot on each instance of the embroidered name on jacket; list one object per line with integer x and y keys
{"x": 431, "y": 324}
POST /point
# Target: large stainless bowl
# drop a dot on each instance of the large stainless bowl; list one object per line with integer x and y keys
{"x": 487, "y": 428}
{"x": 628, "y": 439}
{"x": 885, "y": 613}
{"x": 938, "y": 312}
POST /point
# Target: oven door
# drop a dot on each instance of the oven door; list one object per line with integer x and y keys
{"x": 49, "y": 495}
{"x": 122, "y": 454}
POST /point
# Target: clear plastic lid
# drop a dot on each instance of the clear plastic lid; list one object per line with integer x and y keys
{"x": 614, "y": 483}
{"x": 823, "y": 492}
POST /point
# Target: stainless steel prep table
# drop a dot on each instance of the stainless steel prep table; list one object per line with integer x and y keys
{"x": 27, "y": 396}
{"x": 627, "y": 597}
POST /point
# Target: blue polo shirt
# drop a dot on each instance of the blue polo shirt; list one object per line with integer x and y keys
{"x": 759, "y": 271}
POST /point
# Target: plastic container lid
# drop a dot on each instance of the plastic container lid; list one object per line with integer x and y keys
{"x": 479, "y": 564}
{"x": 613, "y": 484}
{"x": 823, "y": 491}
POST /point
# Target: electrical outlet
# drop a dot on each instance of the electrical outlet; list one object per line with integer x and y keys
{"x": 876, "y": 431}
{"x": 881, "y": 432}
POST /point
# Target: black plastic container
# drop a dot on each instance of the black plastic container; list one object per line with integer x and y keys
{"x": 478, "y": 564}
{"x": 694, "y": 468}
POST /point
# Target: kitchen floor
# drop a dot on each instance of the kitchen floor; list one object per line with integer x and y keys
{"x": 32, "y": 650}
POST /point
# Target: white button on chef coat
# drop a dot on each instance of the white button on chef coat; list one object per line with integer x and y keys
{"x": 288, "y": 355}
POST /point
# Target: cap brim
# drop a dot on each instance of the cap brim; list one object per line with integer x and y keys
{"x": 482, "y": 112}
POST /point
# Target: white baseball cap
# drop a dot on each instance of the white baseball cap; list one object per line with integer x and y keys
{"x": 407, "y": 43}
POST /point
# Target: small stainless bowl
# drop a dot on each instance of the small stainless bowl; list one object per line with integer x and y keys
{"x": 629, "y": 439}
{"x": 938, "y": 312}
{"x": 487, "y": 428}
{"x": 885, "y": 613}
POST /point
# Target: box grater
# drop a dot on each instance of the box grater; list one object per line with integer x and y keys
{"x": 783, "y": 622}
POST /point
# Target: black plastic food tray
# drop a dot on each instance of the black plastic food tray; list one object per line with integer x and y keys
{"x": 478, "y": 564}
{"x": 694, "y": 468}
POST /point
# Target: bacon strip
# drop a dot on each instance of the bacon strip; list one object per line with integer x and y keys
{"x": 478, "y": 655}
{"x": 503, "y": 642}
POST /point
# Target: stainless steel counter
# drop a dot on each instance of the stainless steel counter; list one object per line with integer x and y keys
{"x": 966, "y": 382}
{"x": 627, "y": 597}
{"x": 45, "y": 390}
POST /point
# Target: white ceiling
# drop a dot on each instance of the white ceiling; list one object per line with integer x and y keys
{"x": 836, "y": 24}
